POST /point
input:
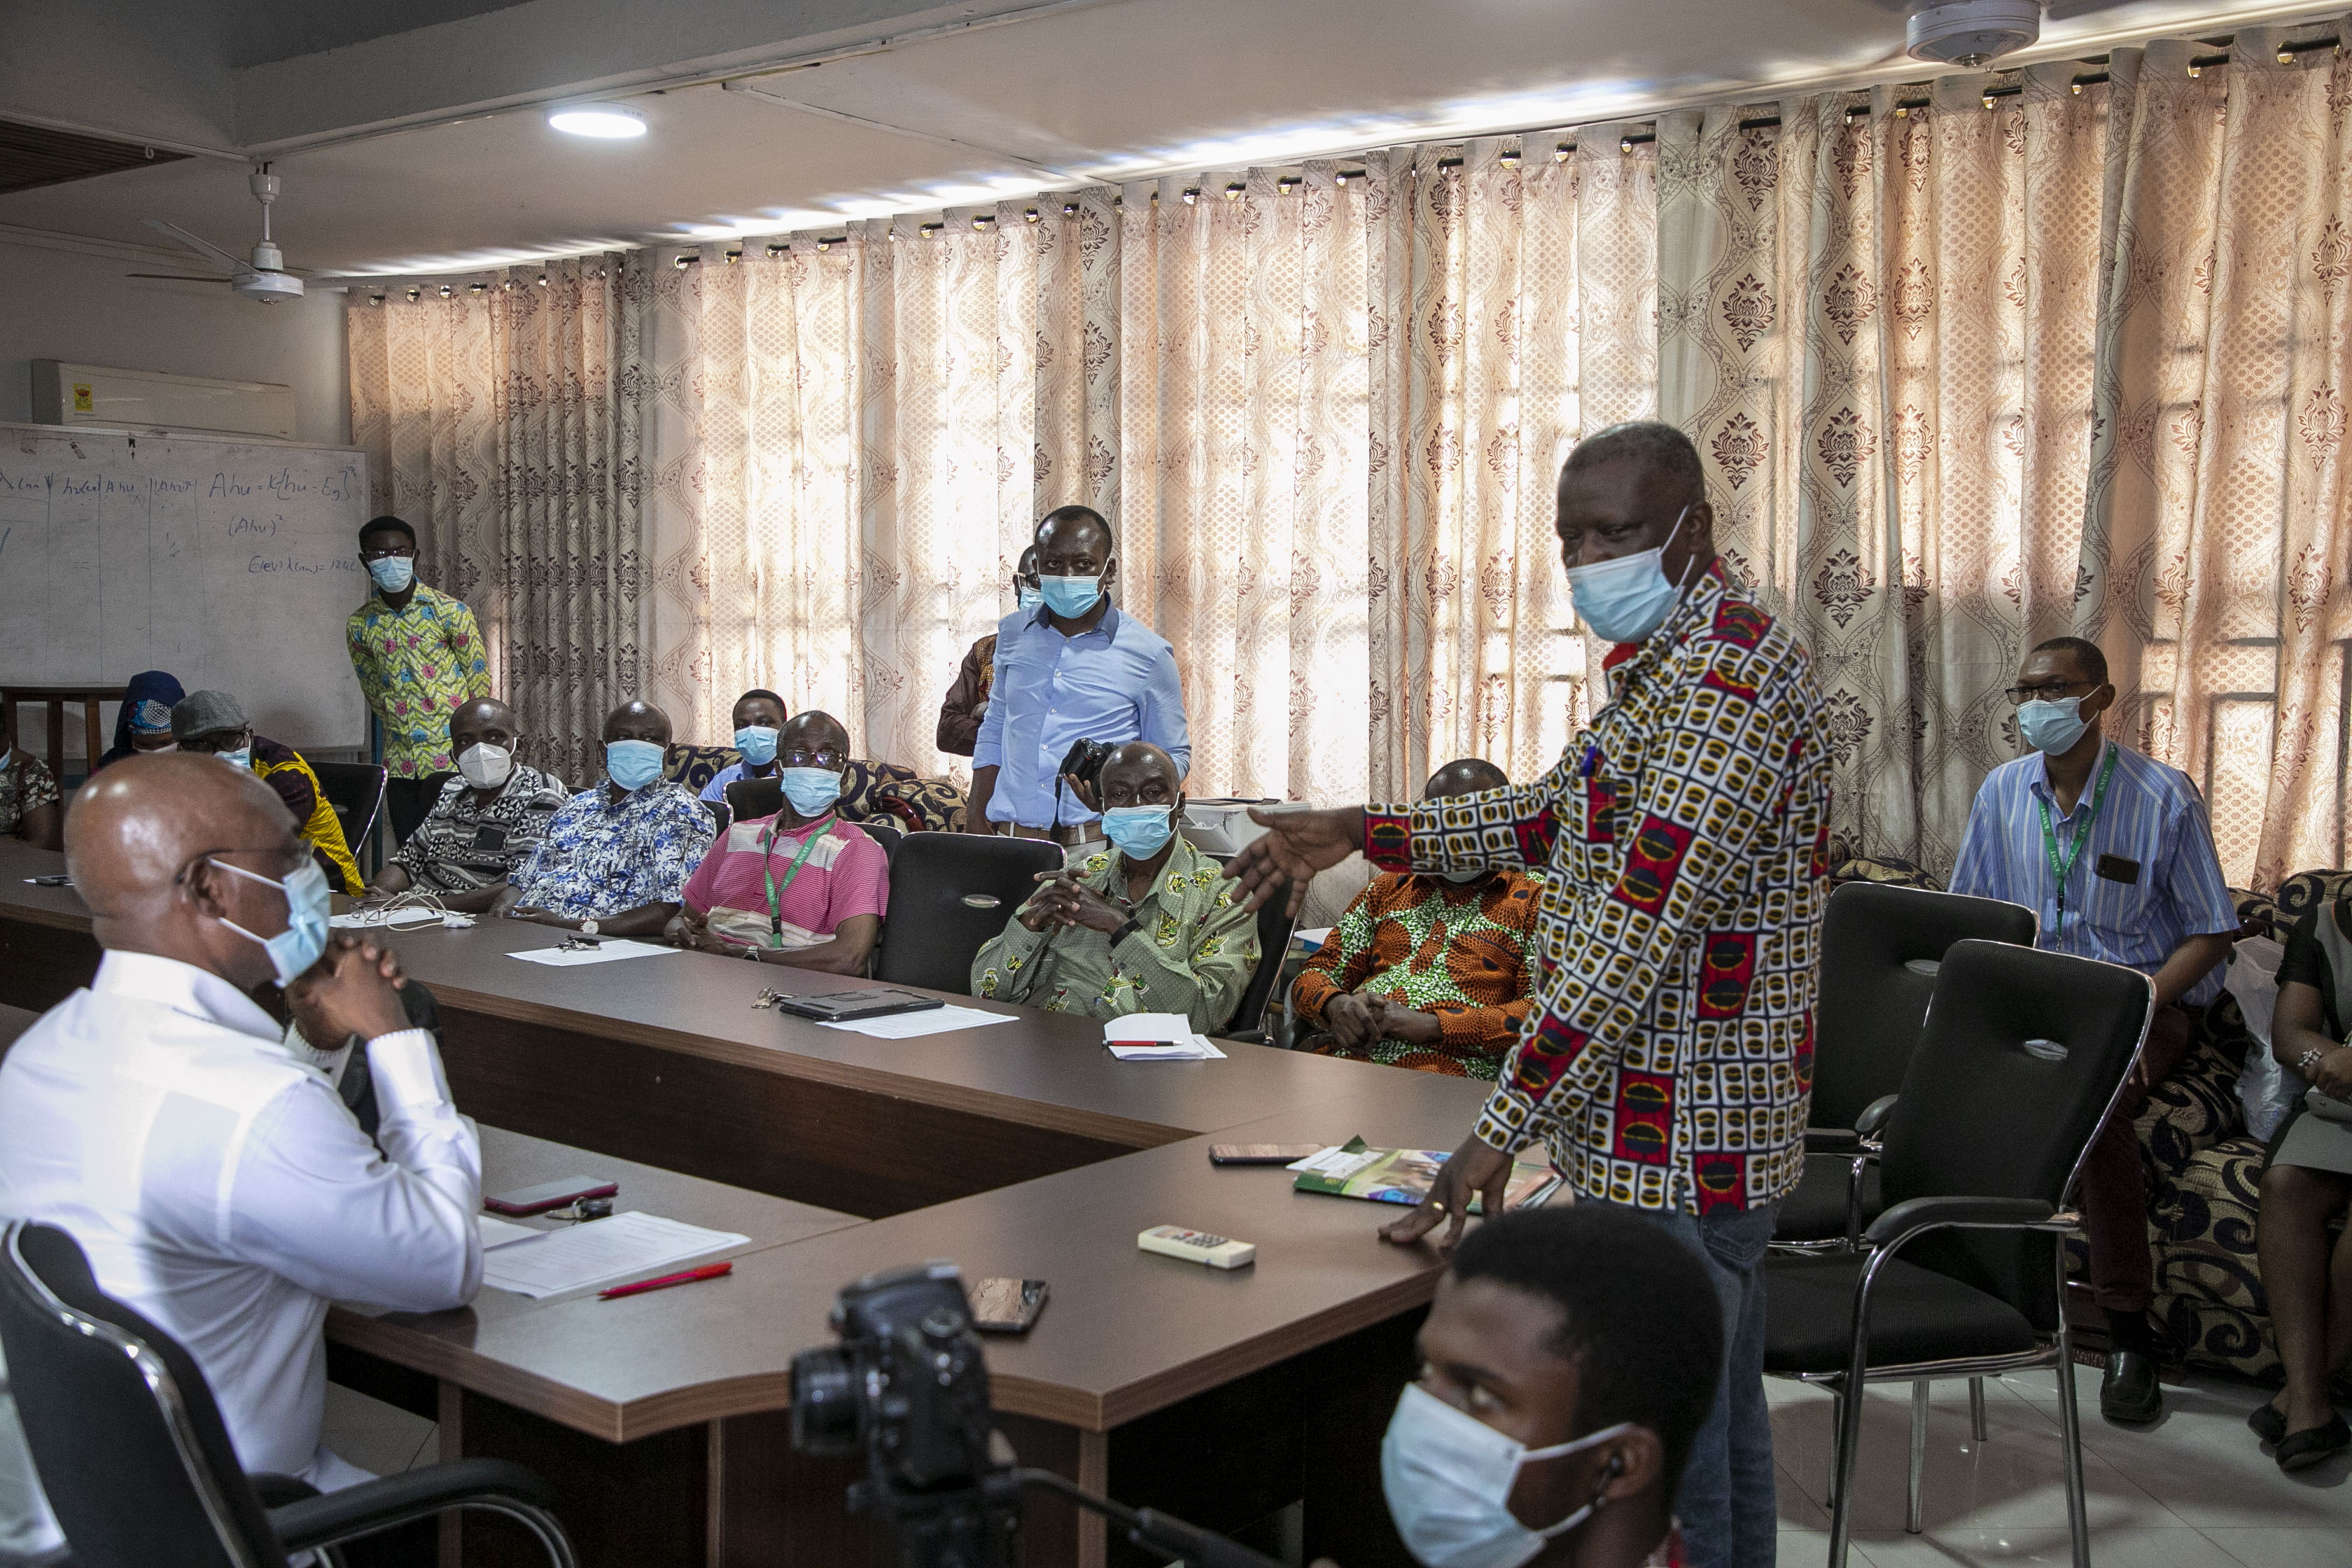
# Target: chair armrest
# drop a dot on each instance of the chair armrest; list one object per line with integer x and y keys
{"x": 389, "y": 1500}
{"x": 1912, "y": 1215}
{"x": 1832, "y": 1140}
{"x": 1873, "y": 1116}
{"x": 276, "y": 1490}
{"x": 1247, "y": 1036}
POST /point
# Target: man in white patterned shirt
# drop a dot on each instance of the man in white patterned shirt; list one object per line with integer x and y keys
{"x": 218, "y": 1185}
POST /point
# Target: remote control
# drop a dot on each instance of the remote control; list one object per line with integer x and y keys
{"x": 1197, "y": 1247}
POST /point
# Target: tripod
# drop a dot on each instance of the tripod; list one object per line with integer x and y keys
{"x": 972, "y": 1527}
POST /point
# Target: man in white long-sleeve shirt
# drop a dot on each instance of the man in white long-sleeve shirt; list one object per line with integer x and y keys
{"x": 217, "y": 1182}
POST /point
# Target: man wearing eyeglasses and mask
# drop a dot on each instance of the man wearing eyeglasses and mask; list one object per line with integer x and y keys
{"x": 2113, "y": 852}
{"x": 218, "y": 1185}
{"x": 418, "y": 653}
{"x": 802, "y": 888}
{"x": 487, "y": 823}
{"x": 1146, "y": 926}
{"x": 1667, "y": 1059}
{"x": 1076, "y": 668}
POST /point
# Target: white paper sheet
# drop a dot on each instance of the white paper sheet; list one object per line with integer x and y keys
{"x": 497, "y": 1232}
{"x": 1339, "y": 1161}
{"x": 1313, "y": 939}
{"x": 601, "y": 1252}
{"x": 931, "y": 1021}
{"x": 614, "y": 948}
{"x": 1158, "y": 1037}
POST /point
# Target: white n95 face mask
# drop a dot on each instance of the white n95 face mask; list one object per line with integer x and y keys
{"x": 1448, "y": 1477}
{"x": 486, "y": 767}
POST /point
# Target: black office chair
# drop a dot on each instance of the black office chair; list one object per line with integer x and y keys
{"x": 721, "y": 814}
{"x": 887, "y": 834}
{"x": 137, "y": 1464}
{"x": 355, "y": 791}
{"x": 751, "y": 799}
{"x": 1881, "y": 947}
{"x": 1275, "y": 924}
{"x": 950, "y": 894}
{"x": 2023, "y": 1054}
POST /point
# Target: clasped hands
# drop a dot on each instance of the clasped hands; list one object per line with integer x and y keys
{"x": 1357, "y": 1018}
{"x": 1060, "y": 902}
{"x": 353, "y": 989}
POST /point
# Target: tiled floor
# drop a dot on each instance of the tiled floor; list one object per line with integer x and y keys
{"x": 2195, "y": 1490}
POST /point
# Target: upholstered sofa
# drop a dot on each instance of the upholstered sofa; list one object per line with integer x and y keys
{"x": 873, "y": 791}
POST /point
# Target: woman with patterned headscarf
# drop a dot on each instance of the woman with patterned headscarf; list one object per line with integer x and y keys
{"x": 145, "y": 722}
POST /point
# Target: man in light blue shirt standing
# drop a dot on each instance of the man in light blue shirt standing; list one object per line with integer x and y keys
{"x": 1072, "y": 668}
{"x": 2113, "y": 852}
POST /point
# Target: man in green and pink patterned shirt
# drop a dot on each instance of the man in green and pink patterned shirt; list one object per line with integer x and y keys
{"x": 419, "y": 655}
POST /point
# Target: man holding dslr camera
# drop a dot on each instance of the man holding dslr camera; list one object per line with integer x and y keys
{"x": 1073, "y": 668}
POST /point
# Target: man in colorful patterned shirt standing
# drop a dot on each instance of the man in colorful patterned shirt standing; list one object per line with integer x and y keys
{"x": 418, "y": 654}
{"x": 1669, "y": 1058}
{"x": 1426, "y": 971}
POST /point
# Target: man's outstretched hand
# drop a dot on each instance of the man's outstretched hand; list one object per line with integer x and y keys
{"x": 1477, "y": 1170}
{"x": 1297, "y": 845}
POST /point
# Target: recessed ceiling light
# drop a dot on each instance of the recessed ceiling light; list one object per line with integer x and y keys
{"x": 609, "y": 121}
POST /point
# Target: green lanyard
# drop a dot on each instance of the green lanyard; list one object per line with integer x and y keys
{"x": 775, "y": 893}
{"x": 2061, "y": 870}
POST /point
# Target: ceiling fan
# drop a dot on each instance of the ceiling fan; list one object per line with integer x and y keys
{"x": 265, "y": 278}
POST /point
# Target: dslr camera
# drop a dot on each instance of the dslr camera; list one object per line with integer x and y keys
{"x": 1084, "y": 761}
{"x": 908, "y": 1385}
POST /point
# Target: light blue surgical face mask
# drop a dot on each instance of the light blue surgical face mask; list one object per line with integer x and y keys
{"x": 1448, "y": 1477}
{"x": 308, "y": 902}
{"x": 2052, "y": 725}
{"x": 813, "y": 790}
{"x": 1626, "y": 599}
{"x": 240, "y": 757}
{"x": 631, "y": 765}
{"x": 1070, "y": 597}
{"x": 758, "y": 745}
{"x": 1140, "y": 832}
{"x": 391, "y": 573}
{"x": 1025, "y": 598}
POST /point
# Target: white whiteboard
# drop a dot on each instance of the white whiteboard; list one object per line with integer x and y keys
{"x": 232, "y": 564}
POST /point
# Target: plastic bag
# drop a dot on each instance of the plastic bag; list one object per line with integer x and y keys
{"x": 2265, "y": 1089}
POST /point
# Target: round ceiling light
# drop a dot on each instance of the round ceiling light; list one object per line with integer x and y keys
{"x": 608, "y": 121}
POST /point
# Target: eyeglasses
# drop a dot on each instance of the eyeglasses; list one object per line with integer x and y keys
{"x": 830, "y": 759}
{"x": 2049, "y": 692}
{"x": 386, "y": 552}
{"x": 219, "y": 740}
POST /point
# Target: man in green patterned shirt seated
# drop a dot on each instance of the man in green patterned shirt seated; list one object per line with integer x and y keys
{"x": 1147, "y": 924}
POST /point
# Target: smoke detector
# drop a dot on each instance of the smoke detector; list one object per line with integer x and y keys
{"x": 1972, "y": 33}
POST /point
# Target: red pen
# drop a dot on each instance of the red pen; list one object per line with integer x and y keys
{"x": 708, "y": 1271}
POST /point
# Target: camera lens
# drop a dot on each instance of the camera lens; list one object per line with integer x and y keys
{"x": 825, "y": 1408}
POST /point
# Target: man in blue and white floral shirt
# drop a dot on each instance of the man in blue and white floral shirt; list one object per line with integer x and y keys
{"x": 615, "y": 859}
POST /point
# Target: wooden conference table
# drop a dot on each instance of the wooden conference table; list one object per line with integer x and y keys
{"x": 1020, "y": 1148}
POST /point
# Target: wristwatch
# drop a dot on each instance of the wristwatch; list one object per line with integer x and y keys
{"x": 587, "y": 928}
{"x": 2309, "y": 1059}
{"x": 753, "y": 953}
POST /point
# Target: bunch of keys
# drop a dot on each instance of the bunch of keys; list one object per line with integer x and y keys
{"x": 770, "y": 998}
{"x": 577, "y": 943}
{"x": 581, "y": 1209}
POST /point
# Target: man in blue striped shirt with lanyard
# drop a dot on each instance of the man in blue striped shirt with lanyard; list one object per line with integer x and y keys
{"x": 2112, "y": 851}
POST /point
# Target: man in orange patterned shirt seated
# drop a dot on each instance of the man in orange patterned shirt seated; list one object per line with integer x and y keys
{"x": 1426, "y": 970}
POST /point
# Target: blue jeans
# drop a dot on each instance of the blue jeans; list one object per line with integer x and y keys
{"x": 1728, "y": 1503}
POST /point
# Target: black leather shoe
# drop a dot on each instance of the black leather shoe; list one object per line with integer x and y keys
{"x": 2268, "y": 1422}
{"x": 2301, "y": 1450}
{"x": 2129, "y": 1391}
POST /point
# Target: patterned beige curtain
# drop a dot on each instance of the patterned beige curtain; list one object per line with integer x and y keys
{"x": 1244, "y": 433}
{"x": 1520, "y": 313}
{"x": 1877, "y": 321}
{"x": 1976, "y": 374}
{"x": 2217, "y": 516}
{"x": 509, "y": 427}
